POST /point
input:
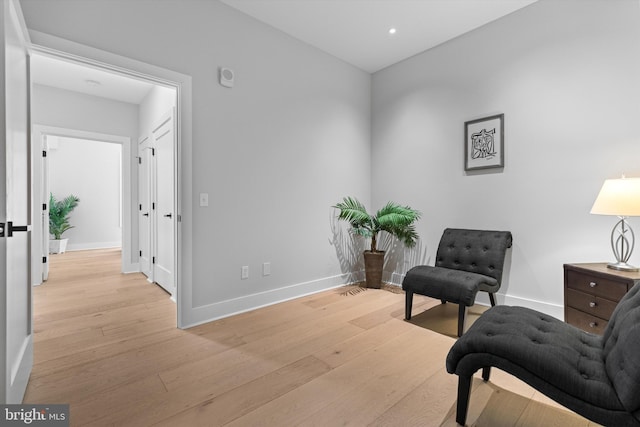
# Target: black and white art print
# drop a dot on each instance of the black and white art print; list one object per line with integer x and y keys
{"x": 484, "y": 143}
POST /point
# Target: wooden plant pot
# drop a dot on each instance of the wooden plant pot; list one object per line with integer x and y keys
{"x": 373, "y": 264}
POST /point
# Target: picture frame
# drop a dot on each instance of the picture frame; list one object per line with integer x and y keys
{"x": 484, "y": 143}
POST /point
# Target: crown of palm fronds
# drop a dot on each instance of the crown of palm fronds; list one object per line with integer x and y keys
{"x": 395, "y": 219}
{"x": 59, "y": 211}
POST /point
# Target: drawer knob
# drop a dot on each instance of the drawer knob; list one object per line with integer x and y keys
{"x": 592, "y": 324}
{"x": 592, "y": 284}
{"x": 592, "y": 304}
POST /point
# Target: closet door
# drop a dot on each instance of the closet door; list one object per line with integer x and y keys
{"x": 156, "y": 203}
{"x": 163, "y": 136}
{"x": 145, "y": 213}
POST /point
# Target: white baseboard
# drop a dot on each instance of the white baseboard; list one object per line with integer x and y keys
{"x": 92, "y": 245}
{"x": 393, "y": 278}
{"x": 219, "y": 310}
{"x": 230, "y": 307}
{"x": 555, "y": 310}
{"x": 132, "y": 267}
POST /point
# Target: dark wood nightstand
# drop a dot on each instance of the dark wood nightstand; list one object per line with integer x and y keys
{"x": 591, "y": 293}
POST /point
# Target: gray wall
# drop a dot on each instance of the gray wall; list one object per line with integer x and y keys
{"x": 158, "y": 101}
{"x": 72, "y": 110}
{"x": 91, "y": 171}
{"x": 274, "y": 153}
{"x": 566, "y": 75}
{"x": 301, "y": 129}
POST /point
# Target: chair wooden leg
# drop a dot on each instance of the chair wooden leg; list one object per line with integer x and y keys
{"x": 408, "y": 303}
{"x": 464, "y": 393}
{"x": 486, "y": 372}
{"x": 462, "y": 310}
{"x": 493, "y": 299}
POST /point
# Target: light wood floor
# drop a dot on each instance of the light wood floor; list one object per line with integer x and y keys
{"x": 107, "y": 344}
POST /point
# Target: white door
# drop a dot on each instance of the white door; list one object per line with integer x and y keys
{"x": 145, "y": 162}
{"x": 163, "y": 140}
{"x": 16, "y": 355}
{"x": 45, "y": 209}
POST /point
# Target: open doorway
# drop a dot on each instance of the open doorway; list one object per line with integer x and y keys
{"x": 89, "y": 170}
{"x": 88, "y": 166}
{"x": 96, "y": 109}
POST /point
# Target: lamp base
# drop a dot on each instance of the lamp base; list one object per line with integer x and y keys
{"x": 622, "y": 266}
{"x": 622, "y": 245}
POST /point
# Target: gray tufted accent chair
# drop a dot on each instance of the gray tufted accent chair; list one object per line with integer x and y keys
{"x": 596, "y": 376}
{"x": 467, "y": 261}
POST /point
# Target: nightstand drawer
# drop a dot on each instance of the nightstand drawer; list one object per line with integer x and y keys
{"x": 590, "y": 304}
{"x": 585, "y": 321}
{"x": 600, "y": 286}
{"x": 591, "y": 293}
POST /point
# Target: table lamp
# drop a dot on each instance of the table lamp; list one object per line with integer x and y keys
{"x": 620, "y": 197}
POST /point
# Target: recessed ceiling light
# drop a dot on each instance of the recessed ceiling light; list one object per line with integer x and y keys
{"x": 92, "y": 82}
{"x": 392, "y": 31}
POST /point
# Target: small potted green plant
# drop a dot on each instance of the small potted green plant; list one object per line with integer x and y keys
{"x": 59, "y": 211}
{"x": 395, "y": 219}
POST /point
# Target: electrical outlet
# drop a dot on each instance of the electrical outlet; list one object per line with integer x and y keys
{"x": 245, "y": 272}
{"x": 266, "y": 269}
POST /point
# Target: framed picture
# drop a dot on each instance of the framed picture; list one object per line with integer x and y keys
{"x": 484, "y": 143}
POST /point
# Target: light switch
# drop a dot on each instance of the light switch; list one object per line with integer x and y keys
{"x": 204, "y": 199}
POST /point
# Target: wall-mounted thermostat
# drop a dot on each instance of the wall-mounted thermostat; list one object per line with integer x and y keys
{"x": 226, "y": 77}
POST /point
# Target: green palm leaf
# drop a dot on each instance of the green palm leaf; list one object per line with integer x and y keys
{"x": 59, "y": 211}
{"x": 395, "y": 219}
{"x": 354, "y": 212}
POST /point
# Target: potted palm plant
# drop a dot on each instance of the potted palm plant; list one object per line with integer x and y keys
{"x": 395, "y": 219}
{"x": 59, "y": 211}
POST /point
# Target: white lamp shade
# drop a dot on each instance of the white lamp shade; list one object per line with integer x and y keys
{"x": 620, "y": 197}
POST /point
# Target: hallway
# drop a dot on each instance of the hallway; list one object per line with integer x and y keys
{"x": 87, "y": 316}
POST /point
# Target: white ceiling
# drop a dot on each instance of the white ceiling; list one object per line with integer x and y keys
{"x": 357, "y": 31}
{"x": 49, "y": 71}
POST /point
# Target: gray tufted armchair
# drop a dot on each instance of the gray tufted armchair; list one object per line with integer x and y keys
{"x": 467, "y": 261}
{"x": 596, "y": 376}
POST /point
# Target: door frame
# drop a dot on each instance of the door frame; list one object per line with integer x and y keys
{"x": 62, "y": 49}
{"x": 38, "y": 133}
{"x": 145, "y": 245}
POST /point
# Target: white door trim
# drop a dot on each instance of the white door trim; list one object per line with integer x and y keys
{"x": 38, "y": 132}
{"x": 46, "y": 44}
{"x": 145, "y": 236}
